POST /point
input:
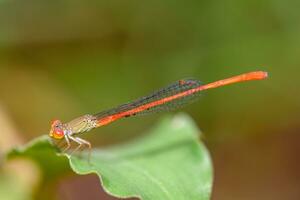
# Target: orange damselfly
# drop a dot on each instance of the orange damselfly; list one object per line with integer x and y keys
{"x": 171, "y": 97}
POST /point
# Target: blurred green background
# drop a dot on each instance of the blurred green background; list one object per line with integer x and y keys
{"x": 62, "y": 59}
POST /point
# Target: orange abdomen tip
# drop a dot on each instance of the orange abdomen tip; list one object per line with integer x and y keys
{"x": 258, "y": 75}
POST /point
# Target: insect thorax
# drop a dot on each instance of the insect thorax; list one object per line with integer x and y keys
{"x": 81, "y": 124}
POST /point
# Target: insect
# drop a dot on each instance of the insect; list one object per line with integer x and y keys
{"x": 171, "y": 97}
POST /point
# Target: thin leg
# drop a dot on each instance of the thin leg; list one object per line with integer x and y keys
{"x": 77, "y": 141}
{"x": 68, "y": 144}
{"x": 87, "y": 143}
{"x": 81, "y": 142}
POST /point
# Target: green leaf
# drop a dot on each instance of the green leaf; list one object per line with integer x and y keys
{"x": 169, "y": 162}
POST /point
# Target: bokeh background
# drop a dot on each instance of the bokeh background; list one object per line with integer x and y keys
{"x": 62, "y": 59}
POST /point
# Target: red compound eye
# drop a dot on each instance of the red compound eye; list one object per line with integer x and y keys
{"x": 58, "y": 133}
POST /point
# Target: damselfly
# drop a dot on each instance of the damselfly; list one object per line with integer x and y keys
{"x": 171, "y": 97}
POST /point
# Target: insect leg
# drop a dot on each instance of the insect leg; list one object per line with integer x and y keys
{"x": 81, "y": 142}
{"x": 86, "y": 143}
{"x": 77, "y": 141}
{"x": 68, "y": 143}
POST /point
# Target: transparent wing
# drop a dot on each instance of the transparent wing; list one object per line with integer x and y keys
{"x": 171, "y": 90}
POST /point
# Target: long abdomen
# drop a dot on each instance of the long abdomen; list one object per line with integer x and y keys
{"x": 176, "y": 95}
